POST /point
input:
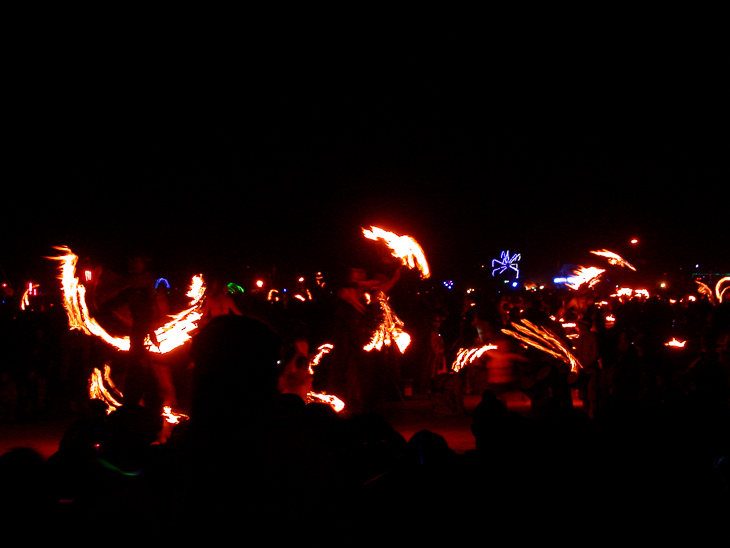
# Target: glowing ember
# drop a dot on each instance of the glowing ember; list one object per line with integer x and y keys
{"x": 613, "y": 258}
{"x": 584, "y": 275}
{"x": 675, "y": 343}
{"x": 465, "y": 356}
{"x": 404, "y": 248}
{"x": 390, "y": 329}
{"x": 545, "y": 340}
{"x": 168, "y": 337}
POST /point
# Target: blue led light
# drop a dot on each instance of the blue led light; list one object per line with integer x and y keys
{"x": 162, "y": 281}
{"x": 506, "y": 261}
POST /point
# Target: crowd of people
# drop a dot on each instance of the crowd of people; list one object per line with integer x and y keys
{"x": 651, "y": 438}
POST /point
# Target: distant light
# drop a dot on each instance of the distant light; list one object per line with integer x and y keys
{"x": 663, "y": 285}
{"x": 87, "y": 275}
{"x": 515, "y": 284}
{"x": 259, "y": 283}
{"x": 448, "y": 284}
{"x": 634, "y": 241}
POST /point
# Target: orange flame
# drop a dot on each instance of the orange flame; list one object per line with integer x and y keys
{"x": 465, "y": 356}
{"x": 584, "y": 275}
{"x": 172, "y": 418}
{"x": 404, "y": 248}
{"x": 545, "y": 340}
{"x": 717, "y": 296}
{"x": 98, "y": 389}
{"x": 321, "y": 351}
{"x": 390, "y": 329}
{"x": 168, "y": 337}
{"x": 333, "y": 401}
{"x": 613, "y": 258}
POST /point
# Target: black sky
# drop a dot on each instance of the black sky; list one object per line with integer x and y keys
{"x": 281, "y": 158}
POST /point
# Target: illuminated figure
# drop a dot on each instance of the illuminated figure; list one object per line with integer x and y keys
{"x": 506, "y": 261}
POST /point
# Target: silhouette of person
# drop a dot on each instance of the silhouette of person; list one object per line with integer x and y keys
{"x": 218, "y": 302}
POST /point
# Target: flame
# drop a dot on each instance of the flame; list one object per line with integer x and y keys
{"x": 168, "y": 337}
{"x": 29, "y": 290}
{"x": 101, "y": 387}
{"x": 613, "y": 258}
{"x": 178, "y": 330}
{"x": 333, "y": 401}
{"x": 717, "y": 296}
{"x": 545, "y": 340}
{"x": 172, "y": 418}
{"x": 389, "y": 330}
{"x": 465, "y": 356}
{"x": 675, "y": 343}
{"x": 584, "y": 275}
{"x": 321, "y": 351}
{"x": 404, "y": 248}
{"x": 98, "y": 388}
{"x": 720, "y": 293}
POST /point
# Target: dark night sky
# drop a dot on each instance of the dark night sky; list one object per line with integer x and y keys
{"x": 280, "y": 159}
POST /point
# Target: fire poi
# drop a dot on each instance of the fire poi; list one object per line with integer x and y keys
{"x": 390, "y": 329}
{"x": 170, "y": 336}
{"x": 404, "y": 248}
{"x": 545, "y": 340}
{"x": 613, "y": 258}
{"x": 717, "y": 296}
{"x": 173, "y": 334}
{"x": 333, "y": 401}
{"x": 585, "y": 275}
{"x": 465, "y": 356}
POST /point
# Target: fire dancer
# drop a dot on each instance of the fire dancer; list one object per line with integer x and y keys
{"x": 349, "y": 377}
{"x": 218, "y": 303}
{"x": 146, "y": 306}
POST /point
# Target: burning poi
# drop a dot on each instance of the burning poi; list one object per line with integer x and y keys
{"x": 173, "y": 334}
{"x": 545, "y": 340}
{"x": 404, "y": 248}
{"x": 176, "y": 332}
{"x": 613, "y": 258}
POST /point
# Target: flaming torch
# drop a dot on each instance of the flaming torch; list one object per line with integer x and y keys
{"x": 545, "y": 340}
{"x": 404, "y": 248}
